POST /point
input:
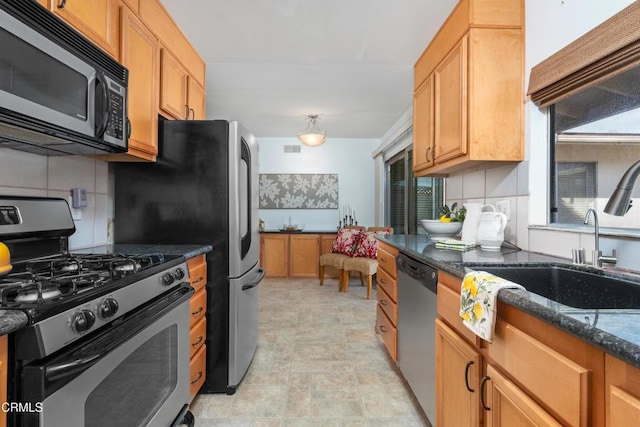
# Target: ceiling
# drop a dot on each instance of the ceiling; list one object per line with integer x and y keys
{"x": 270, "y": 63}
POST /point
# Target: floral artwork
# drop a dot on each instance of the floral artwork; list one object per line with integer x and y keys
{"x": 298, "y": 191}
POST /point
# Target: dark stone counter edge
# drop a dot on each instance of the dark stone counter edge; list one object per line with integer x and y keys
{"x": 609, "y": 343}
{"x": 188, "y": 251}
{"x": 12, "y": 320}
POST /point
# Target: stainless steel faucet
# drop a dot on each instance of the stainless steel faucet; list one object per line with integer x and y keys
{"x": 598, "y": 259}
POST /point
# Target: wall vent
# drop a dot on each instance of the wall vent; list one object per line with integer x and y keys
{"x": 291, "y": 148}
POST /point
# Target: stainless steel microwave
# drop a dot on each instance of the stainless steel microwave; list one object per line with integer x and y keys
{"x": 59, "y": 93}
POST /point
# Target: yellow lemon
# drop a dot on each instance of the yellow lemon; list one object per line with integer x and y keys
{"x": 445, "y": 218}
{"x": 5, "y": 259}
{"x": 470, "y": 286}
{"x": 477, "y": 310}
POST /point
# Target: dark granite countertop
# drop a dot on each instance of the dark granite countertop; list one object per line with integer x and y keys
{"x": 188, "y": 251}
{"x": 614, "y": 331}
{"x": 303, "y": 231}
{"x": 12, "y": 320}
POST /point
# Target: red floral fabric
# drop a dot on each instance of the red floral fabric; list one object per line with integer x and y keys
{"x": 368, "y": 244}
{"x": 346, "y": 241}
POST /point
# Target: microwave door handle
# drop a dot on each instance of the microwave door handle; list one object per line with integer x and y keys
{"x": 102, "y": 81}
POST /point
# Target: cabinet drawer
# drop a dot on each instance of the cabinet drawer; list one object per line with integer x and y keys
{"x": 558, "y": 382}
{"x": 198, "y": 306}
{"x": 197, "y": 370}
{"x": 387, "y": 259}
{"x": 388, "y": 306}
{"x": 449, "y": 309}
{"x": 388, "y": 333}
{"x": 197, "y": 335}
{"x": 197, "y": 272}
{"x": 389, "y": 284}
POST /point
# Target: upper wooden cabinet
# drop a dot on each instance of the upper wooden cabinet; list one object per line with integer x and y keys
{"x": 140, "y": 53}
{"x": 423, "y": 150}
{"x": 97, "y": 20}
{"x": 181, "y": 97}
{"x": 162, "y": 25}
{"x": 474, "y": 70}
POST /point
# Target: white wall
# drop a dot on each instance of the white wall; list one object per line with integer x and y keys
{"x": 349, "y": 158}
{"x": 25, "y": 174}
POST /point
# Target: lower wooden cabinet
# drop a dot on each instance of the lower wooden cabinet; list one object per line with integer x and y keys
{"x": 507, "y": 405}
{"x": 294, "y": 255}
{"x": 197, "y": 370}
{"x": 622, "y": 387}
{"x": 458, "y": 371}
{"x": 274, "y": 254}
{"x": 388, "y": 332}
{"x": 198, "y": 333}
{"x": 531, "y": 374}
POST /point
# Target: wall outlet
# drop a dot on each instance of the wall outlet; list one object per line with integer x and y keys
{"x": 76, "y": 213}
{"x": 504, "y": 206}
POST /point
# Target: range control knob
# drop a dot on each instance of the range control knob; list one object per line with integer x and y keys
{"x": 107, "y": 308}
{"x": 167, "y": 279}
{"x": 83, "y": 320}
{"x": 179, "y": 273}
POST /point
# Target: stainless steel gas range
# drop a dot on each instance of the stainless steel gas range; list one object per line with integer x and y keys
{"x": 107, "y": 338}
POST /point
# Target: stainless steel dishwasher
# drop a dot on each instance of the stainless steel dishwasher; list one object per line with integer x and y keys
{"x": 417, "y": 284}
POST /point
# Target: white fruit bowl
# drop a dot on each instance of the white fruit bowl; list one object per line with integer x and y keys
{"x": 437, "y": 228}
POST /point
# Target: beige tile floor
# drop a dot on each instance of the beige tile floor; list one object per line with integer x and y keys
{"x": 318, "y": 363}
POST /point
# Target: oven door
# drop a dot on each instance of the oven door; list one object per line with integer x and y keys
{"x": 134, "y": 373}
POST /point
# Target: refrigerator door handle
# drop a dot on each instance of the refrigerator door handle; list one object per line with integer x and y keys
{"x": 245, "y": 156}
{"x": 261, "y": 273}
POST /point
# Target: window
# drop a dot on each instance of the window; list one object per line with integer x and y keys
{"x": 576, "y": 190}
{"x": 410, "y": 198}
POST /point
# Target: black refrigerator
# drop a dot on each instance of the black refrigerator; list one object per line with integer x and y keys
{"x": 203, "y": 189}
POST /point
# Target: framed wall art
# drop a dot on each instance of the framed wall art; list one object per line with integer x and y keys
{"x": 298, "y": 191}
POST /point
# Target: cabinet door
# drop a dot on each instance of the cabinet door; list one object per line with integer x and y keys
{"x": 140, "y": 56}
{"x": 423, "y": 156}
{"x": 622, "y": 393}
{"x": 450, "y": 104}
{"x": 96, "y": 19}
{"x": 304, "y": 255}
{"x": 196, "y": 99}
{"x": 274, "y": 250}
{"x": 458, "y": 369}
{"x": 510, "y": 406}
{"x": 173, "y": 86}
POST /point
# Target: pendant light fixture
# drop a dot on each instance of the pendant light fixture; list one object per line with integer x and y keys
{"x": 312, "y": 135}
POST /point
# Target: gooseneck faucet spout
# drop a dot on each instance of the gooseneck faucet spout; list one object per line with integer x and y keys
{"x": 597, "y": 230}
{"x": 598, "y": 259}
{"x": 620, "y": 201}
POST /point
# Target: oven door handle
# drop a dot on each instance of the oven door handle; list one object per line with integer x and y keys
{"x": 61, "y": 370}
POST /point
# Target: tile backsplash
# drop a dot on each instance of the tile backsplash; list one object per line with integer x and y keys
{"x": 26, "y": 174}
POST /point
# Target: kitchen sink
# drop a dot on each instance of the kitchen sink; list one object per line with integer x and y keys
{"x": 572, "y": 287}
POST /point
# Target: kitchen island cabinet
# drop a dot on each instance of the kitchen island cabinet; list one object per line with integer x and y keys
{"x": 622, "y": 393}
{"x": 469, "y": 90}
